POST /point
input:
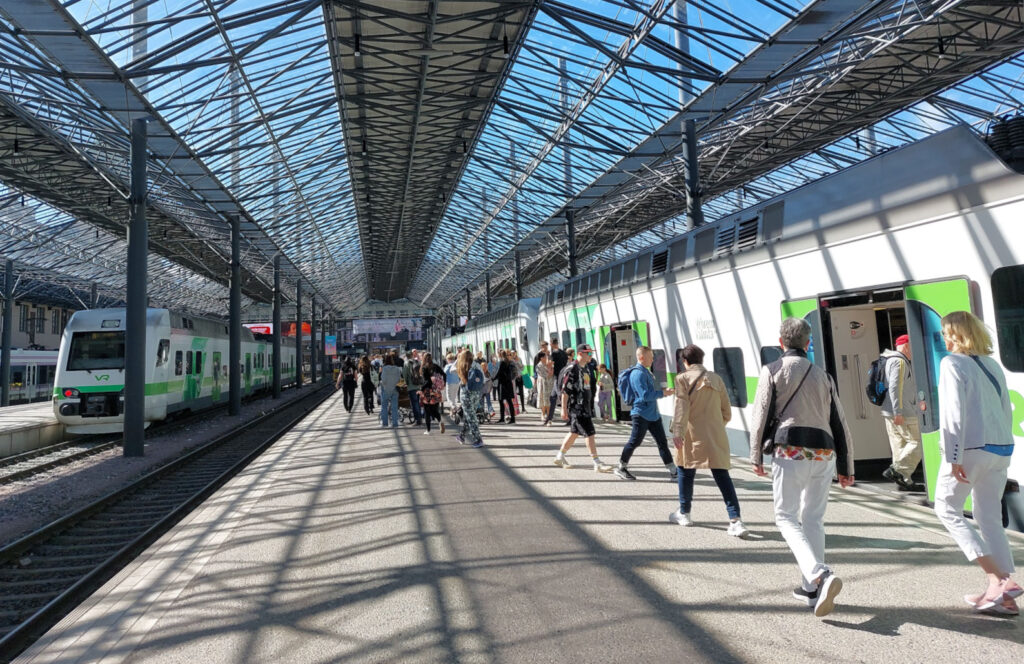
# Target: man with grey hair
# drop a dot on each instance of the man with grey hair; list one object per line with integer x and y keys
{"x": 798, "y": 421}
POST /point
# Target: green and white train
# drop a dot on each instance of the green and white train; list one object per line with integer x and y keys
{"x": 880, "y": 249}
{"x": 187, "y": 367}
{"x": 512, "y": 327}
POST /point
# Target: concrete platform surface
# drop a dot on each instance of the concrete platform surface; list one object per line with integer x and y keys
{"x": 349, "y": 543}
{"x": 27, "y": 427}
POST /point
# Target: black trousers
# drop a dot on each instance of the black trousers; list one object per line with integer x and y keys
{"x": 506, "y": 396}
{"x": 349, "y": 390}
{"x": 522, "y": 393}
{"x": 431, "y": 411}
{"x": 368, "y": 400}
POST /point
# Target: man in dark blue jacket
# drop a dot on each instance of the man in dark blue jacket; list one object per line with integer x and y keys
{"x": 645, "y": 415}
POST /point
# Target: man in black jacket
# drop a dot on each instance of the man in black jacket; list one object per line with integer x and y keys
{"x": 559, "y": 359}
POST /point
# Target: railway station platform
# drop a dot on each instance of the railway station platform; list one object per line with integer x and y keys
{"x": 349, "y": 543}
{"x": 27, "y": 427}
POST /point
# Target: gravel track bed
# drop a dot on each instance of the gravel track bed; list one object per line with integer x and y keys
{"x": 31, "y": 503}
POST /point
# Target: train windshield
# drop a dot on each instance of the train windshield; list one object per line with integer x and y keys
{"x": 96, "y": 350}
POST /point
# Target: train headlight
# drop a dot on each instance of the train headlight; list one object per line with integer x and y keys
{"x": 70, "y": 393}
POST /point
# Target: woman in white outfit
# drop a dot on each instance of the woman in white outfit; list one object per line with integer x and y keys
{"x": 976, "y": 444}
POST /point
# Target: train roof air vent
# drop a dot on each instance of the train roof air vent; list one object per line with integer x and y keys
{"x": 725, "y": 237}
{"x": 746, "y": 234}
{"x": 659, "y": 263}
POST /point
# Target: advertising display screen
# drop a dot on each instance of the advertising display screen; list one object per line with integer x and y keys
{"x": 330, "y": 345}
{"x": 387, "y": 329}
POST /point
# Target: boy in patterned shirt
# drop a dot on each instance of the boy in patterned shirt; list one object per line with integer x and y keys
{"x": 577, "y": 392}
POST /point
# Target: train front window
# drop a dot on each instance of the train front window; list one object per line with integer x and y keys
{"x": 96, "y": 350}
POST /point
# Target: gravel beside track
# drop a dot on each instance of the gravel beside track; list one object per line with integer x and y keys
{"x": 30, "y": 503}
{"x": 47, "y": 573}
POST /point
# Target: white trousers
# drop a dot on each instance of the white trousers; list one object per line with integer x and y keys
{"x": 987, "y": 475}
{"x": 800, "y": 488}
{"x": 452, "y": 390}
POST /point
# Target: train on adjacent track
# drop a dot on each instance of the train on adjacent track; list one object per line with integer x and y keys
{"x": 883, "y": 248}
{"x": 186, "y": 367}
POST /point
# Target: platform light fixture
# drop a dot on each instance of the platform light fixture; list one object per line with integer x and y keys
{"x": 356, "y": 52}
{"x": 15, "y": 145}
{"x": 505, "y": 40}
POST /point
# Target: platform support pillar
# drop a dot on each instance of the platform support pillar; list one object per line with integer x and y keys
{"x": 235, "y": 320}
{"x": 5, "y": 334}
{"x": 135, "y": 314}
{"x": 94, "y": 296}
{"x": 517, "y": 265}
{"x": 570, "y": 234}
{"x": 276, "y": 369}
{"x": 298, "y": 333}
{"x": 694, "y": 211}
{"x": 325, "y": 327}
{"x": 469, "y": 305}
{"x": 487, "y": 287}
{"x": 312, "y": 340}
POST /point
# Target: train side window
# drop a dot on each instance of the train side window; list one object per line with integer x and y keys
{"x": 566, "y": 339}
{"x": 177, "y": 363}
{"x": 199, "y": 362}
{"x": 729, "y": 365}
{"x": 188, "y": 363}
{"x": 581, "y": 336}
{"x": 769, "y": 354}
{"x": 163, "y": 351}
{"x": 1007, "y": 295}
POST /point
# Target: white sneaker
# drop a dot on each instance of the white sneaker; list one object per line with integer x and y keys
{"x": 426, "y": 433}
{"x": 737, "y": 529}
{"x": 562, "y": 461}
{"x": 603, "y": 468}
{"x": 680, "y": 518}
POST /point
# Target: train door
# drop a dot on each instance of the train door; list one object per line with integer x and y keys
{"x": 216, "y": 376}
{"x": 248, "y": 373}
{"x": 857, "y": 340}
{"x": 620, "y": 353}
{"x": 926, "y": 304}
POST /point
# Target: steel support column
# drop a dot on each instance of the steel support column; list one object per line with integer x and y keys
{"x": 312, "y": 341}
{"x": 570, "y": 235}
{"x": 298, "y": 333}
{"x": 276, "y": 330}
{"x": 235, "y": 320}
{"x": 469, "y": 305}
{"x": 694, "y": 212}
{"x": 5, "y": 335}
{"x": 518, "y": 275}
{"x": 94, "y": 296}
{"x": 487, "y": 290}
{"x": 135, "y": 314}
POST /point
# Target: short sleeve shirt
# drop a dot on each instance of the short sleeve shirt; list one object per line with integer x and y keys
{"x": 580, "y": 390}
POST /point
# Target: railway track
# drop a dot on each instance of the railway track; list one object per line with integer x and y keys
{"x": 47, "y": 573}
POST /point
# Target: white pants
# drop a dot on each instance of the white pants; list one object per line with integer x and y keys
{"x": 800, "y": 488}
{"x": 905, "y": 443}
{"x": 987, "y": 475}
{"x": 452, "y": 389}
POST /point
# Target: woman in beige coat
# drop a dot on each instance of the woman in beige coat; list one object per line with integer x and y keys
{"x": 698, "y": 429}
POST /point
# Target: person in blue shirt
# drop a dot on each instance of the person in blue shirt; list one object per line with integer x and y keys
{"x": 645, "y": 415}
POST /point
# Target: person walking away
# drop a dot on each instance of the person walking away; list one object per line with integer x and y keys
{"x": 559, "y": 359}
{"x": 899, "y": 410}
{"x": 808, "y": 443}
{"x": 489, "y": 386}
{"x": 645, "y": 416}
{"x": 506, "y": 388}
{"x": 432, "y": 391}
{"x": 976, "y": 442}
{"x": 577, "y": 392}
{"x": 544, "y": 384}
{"x": 702, "y": 410}
{"x": 412, "y": 372}
{"x": 365, "y": 372}
{"x": 389, "y": 377}
{"x": 517, "y": 364}
{"x": 471, "y": 384}
{"x": 605, "y": 387}
{"x": 347, "y": 382}
{"x": 451, "y": 384}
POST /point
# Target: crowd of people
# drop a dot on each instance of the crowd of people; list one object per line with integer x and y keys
{"x": 797, "y": 422}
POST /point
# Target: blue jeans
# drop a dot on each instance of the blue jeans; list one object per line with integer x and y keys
{"x": 636, "y": 436}
{"x": 722, "y": 479}
{"x": 414, "y": 401}
{"x": 389, "y": 401}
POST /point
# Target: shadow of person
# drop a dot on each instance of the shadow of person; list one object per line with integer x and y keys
{"x": 888, "y": 621}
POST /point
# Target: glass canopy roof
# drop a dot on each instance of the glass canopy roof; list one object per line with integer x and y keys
{"x": 480, "y": 123}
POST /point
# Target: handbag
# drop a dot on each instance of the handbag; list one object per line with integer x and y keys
{"x": 772, "y": 426}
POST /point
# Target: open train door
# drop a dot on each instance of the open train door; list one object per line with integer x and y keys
{"x": 621, "y": 342}
{"x": 927, "y": 303}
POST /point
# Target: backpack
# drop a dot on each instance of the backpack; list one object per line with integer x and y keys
{"x": 877, "y": 387}
{"x": 437, "y": 381}
{"x": 563, "y": 378}
{"x": 626, "y": 388}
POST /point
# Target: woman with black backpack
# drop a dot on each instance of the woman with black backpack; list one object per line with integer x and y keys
{"x": 347, "y": 380}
